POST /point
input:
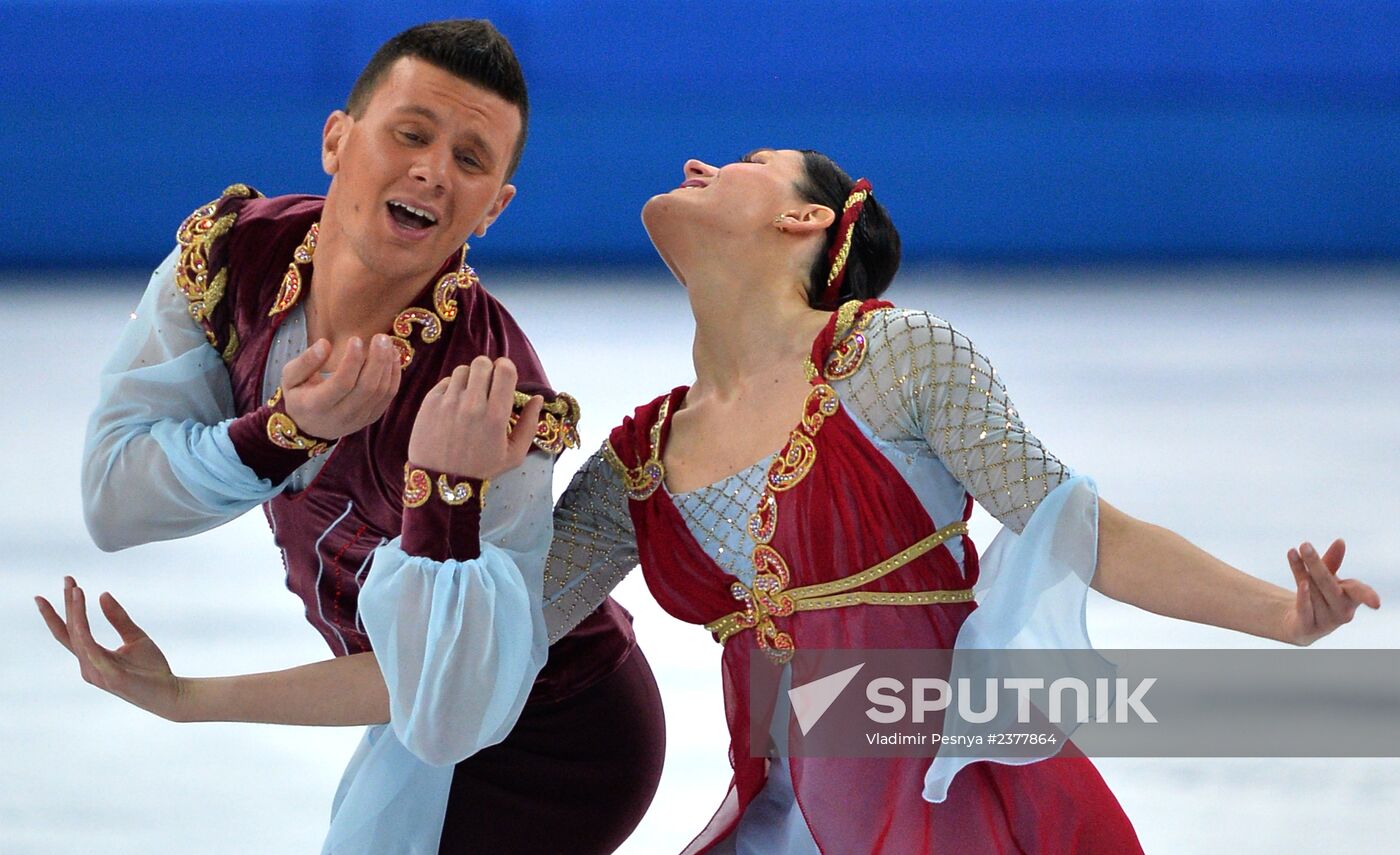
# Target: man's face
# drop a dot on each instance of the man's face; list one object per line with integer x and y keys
{"x": 423, "y": 168}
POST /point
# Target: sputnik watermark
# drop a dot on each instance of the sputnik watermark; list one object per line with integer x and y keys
{"x": 1114, "y": 700}
{"x": 1035, "y": 703}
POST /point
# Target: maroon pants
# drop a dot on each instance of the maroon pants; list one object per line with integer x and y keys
{"x": 575, "y": 776}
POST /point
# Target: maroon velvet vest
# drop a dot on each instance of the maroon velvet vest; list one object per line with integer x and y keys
{"x": 328, "y": 531}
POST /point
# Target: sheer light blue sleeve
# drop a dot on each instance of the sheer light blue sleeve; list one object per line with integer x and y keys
{"x": 460, "y": 644}
{"x": 1030, "y": 597}
{"x": 924, "y": 383}
{"x": 157, "y": 460}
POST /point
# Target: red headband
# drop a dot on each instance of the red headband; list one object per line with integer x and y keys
{"x": 841, "y": 247}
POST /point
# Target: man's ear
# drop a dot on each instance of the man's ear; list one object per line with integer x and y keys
{"x": 808, "y": 219}
{"x": 497, "y": 208}
{"x": 338, "y": 124}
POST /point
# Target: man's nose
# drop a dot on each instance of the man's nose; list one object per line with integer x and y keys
{"x": 698, "y": 168}
{"x": 430, "y": 168}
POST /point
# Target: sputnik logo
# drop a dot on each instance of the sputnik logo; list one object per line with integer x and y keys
{"x": 810, "y": 701}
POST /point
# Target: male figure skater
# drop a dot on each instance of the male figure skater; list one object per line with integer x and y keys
{"x": 355, "y": 447}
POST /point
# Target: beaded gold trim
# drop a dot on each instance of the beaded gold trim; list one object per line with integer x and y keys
{"x": 402, "y": 328}
{"x": 845, "y": 319}
{"x": 201, "y": 287}
{"x": 290, "y": 290}
{"x": 848, "y": 352}
{"x": 432, "y": 325}
{"x": 454, "y": 494}
{"x": 642, "y": 481}
{"x": 405, "y": 350}
{"x": 821, "y": 404}
{"x": 793, "y": 463}
{"x": 837, "y": 593}
{"x": 445, "y": 292}
{"x": 558, "y": 427}
{"x": 232, "y": 347}
{"x": 763, "y": 523}
{"x": 417, "y": 487}
{"x": 767, "y": 598}
{"x": 283, "y": 433}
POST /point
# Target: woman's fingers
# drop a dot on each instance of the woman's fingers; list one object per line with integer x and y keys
{"x": 1334, "y": 555}
{"x": 1361, "y": 593}
{"x": 1322, "y": 579}
{"x": 89, "y": 652}
{"x": 57, "y": 628}
{"x": 120, "y": 620}
{"x": 1304, "y": 600}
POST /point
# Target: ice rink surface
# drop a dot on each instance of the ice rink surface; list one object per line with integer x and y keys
{"x": 1246, "y": 409}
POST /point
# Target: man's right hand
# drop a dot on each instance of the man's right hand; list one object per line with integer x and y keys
{"x": 463, "y": 426}
{"x": 356, "y": 393}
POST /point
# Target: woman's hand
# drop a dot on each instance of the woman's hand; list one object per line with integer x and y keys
{"x": 1324, "y": 602}
{"x": 136, "y": 672}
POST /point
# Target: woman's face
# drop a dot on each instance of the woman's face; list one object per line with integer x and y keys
{"x": 739, "y": 199}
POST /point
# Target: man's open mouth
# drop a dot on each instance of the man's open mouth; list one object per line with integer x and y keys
{"x": 410, "y": 217}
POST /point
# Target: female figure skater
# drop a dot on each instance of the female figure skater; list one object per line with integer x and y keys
{"x": 810, "y": 491}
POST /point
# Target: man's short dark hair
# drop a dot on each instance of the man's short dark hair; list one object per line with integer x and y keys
{"x": 471, "y": 49}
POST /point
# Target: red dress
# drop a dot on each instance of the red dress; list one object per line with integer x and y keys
{"x": 833, "y": 506}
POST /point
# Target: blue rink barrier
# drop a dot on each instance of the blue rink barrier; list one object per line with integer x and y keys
{"x": 996, "y": 129}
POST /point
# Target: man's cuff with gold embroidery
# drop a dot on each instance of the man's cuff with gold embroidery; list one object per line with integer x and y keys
{"x": 441, "y": 514}
{"x": 271, "y": 444}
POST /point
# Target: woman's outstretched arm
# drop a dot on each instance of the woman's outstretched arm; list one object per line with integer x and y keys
{"x": 953, "y": 397}
{"x": 592, "y": 549}
{"x": 347, "y": 690}
{"x": 1156, "y": 569}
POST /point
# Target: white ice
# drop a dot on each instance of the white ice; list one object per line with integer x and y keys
{"x": 1248, "y": 410}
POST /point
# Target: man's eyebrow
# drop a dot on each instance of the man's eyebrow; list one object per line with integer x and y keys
{"x": 748, "y": 158}
{"x": 418, "y": 110}
{"x": 473, "y": 139}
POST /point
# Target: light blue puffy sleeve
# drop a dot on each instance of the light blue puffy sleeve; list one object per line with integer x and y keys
{"x": 459, "y": 644}
{"x": 157, "y": 461}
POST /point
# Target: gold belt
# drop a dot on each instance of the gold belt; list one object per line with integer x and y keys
{"x": 838, "y": 593}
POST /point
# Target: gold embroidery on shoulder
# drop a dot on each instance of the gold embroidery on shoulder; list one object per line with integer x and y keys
{"x": 641, "y": 482}
{"x": 202, "y": 287}
{"x": 848, "y": 351}
{"x": 845, "y": 316}
{"x": 558, "y": 427}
